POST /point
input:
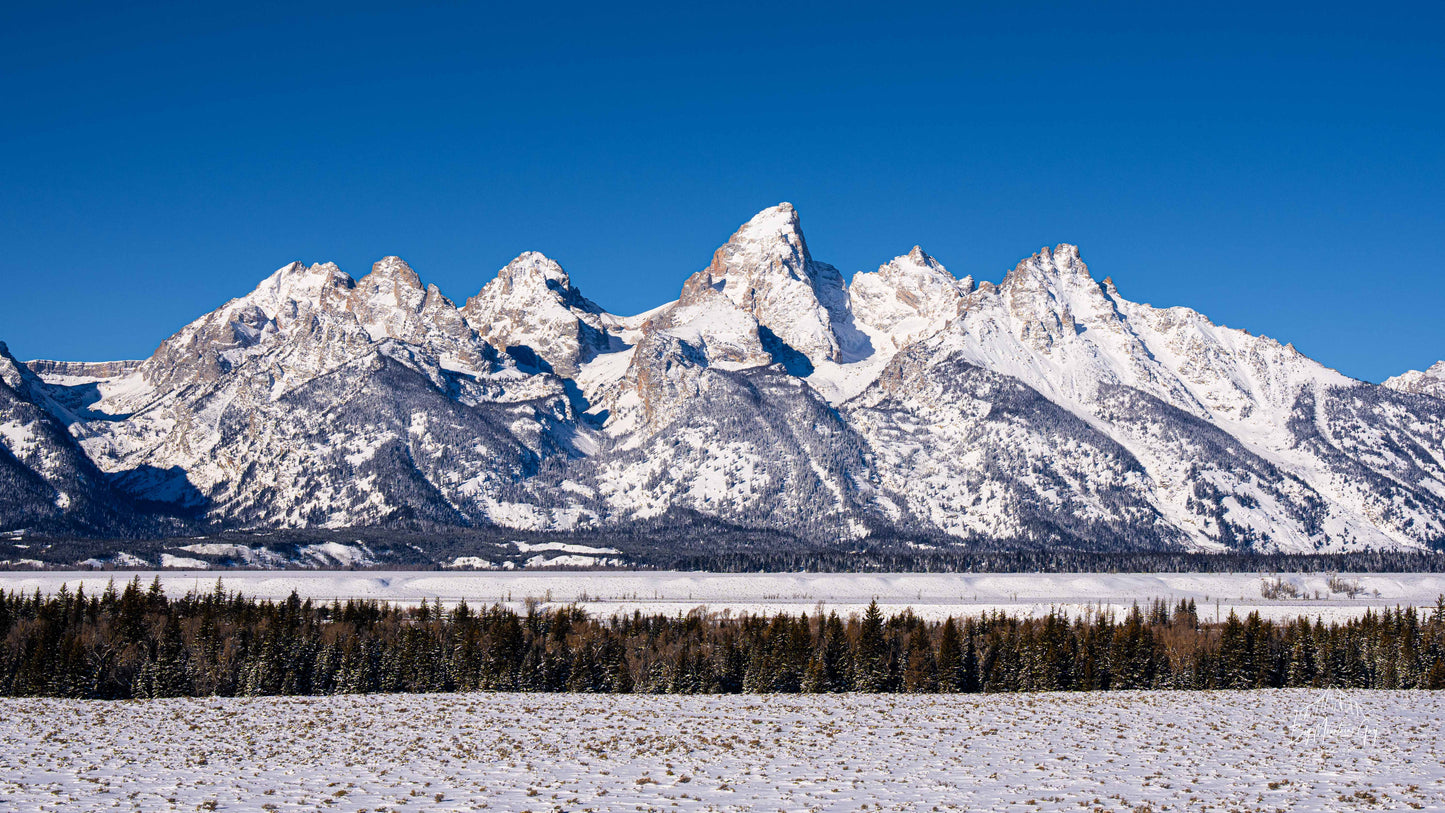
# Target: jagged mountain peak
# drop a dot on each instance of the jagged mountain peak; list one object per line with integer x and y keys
{"x": 1063, "y": 253}
{"x": 391, "y": 286}
{"x": 1049, "y": 297}
{"x": 534, "y": 275}
{"x": 1062, "y": 262}
{"x": 10, "y": 368}
{"x": 1427, "y": 382}
{"x": 771, "y": 241}
{"x": 316, "y": 285}
{"x": 393, "y": 268}
{"x": 392, "y": 303}
{"x": 909, "y": 297}
{"x": 915, "y": 258}
{"x": 47, "y": 482}
{"x": 779, "y": 222}
{"x": 531, "y": 265}
{"x": 918, "y": 264}
{"x": 918, "y": 257}
{"x": 766, "y": 270}
{"x": 304, "y": 320}
{"x": 17, "y": 374}
{"x": 532, "y": 310}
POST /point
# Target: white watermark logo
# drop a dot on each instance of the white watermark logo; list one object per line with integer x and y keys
{"x": 1332, "y": 718}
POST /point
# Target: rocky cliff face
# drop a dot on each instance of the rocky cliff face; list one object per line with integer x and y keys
{"x": 92, "y": 370}
{"x": 907, "y": 299}
{"x": 47, "y": 483}
{"x": 532, "y": 311}
{"x": 1046, "y": 409}
{"x": 801, "y": 304}
{"x": 392, "y": 303}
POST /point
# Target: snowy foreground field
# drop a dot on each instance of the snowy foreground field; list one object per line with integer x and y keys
{"x": 932, "y": 596}
{"x": 1131, "y": 751}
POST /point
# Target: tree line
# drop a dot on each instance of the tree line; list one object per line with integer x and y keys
{"x": 693, "y": 542}
{"x": 135, "y": 642}
{"x": 938, "y": 555}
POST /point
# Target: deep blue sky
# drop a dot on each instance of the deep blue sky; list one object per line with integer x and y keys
{"x": 1279, "y": 170}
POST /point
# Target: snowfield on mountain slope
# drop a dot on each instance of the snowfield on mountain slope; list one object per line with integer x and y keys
{"x": 931, "y": 596}
{"x": 1129, "y": 751}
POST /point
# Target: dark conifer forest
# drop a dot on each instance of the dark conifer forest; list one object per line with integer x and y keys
{"x": 135, "y": 642}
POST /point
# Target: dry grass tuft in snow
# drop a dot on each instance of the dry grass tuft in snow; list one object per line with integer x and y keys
{"x": 1127, "y": 751}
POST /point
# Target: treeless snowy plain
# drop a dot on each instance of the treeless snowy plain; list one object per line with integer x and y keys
{"x": 1130, "y": 751}
{"x": 931, "y": 596}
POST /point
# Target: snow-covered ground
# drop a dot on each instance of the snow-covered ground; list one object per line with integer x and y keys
{"x": 930, "y": 595}
{"x": 1126, "y": 751}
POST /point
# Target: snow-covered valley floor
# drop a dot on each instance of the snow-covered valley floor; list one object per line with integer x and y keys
{"x": 932, "y": 596}
{"x": 1130, "y": 751}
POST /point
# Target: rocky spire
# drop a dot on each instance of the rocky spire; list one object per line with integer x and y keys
{"x": 297, "y": 287}
{"x": 766, "y": 270}
{"x": 388, "y": 301}
{"x": 1063, "y": 262}
{"x": 394, "y": 269}
{"x": 533, "y": 276}
{"x": 908, "y": 297}
{"x": 10, "y": 372}
{"x": 532, "y": 310}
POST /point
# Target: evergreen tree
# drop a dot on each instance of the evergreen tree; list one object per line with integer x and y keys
{"x": 950, "y": 659}
{"x": 920, "y": 671}
{"x": 870, "y": 658}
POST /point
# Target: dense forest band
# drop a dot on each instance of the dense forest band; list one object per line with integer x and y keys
{"x": 133, "y": 641}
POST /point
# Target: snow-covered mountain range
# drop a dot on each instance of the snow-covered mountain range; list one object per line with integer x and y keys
{"x": 772, "y": 394}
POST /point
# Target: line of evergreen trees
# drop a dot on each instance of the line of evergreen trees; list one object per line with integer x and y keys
{"x": 1015, "y": 557}
{"x": 696, "y": 542}
{"x": 137, "y": 642}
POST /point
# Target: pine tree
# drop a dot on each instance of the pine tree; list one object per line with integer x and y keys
{"x": 971, "y": 680}
{"x": 870, "y": 659}
{"x": 1132, "y": 657}
{"x": 170, "y": 674}
{"x": 950, "y": 659}
{"x": 920, "y": 673}
{"x": 1300, "y": 670}
{"x": 1233, "y": 668}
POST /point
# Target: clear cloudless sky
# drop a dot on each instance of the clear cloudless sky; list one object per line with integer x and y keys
{"x": 1279, "y": 168}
